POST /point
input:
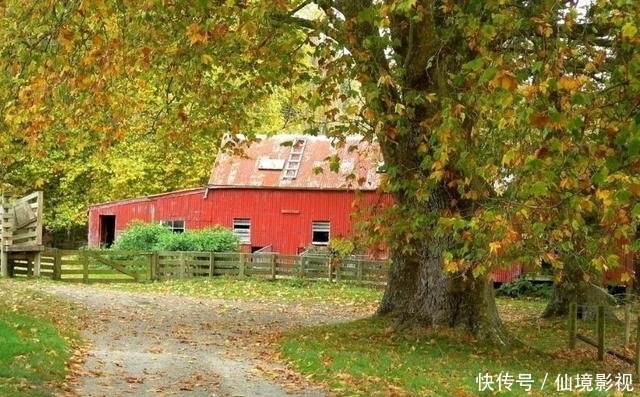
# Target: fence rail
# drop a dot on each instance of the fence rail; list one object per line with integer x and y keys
{"x": 599, "y": 342}
{"x": 122, "y": 266}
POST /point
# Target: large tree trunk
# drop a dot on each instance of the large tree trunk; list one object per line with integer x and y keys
{"x": 419, "y": 291}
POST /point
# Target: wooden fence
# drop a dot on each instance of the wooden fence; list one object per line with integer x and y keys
{"x": 599, "y": 341}
{"x": 122, "y": 266}
{"x": 85, "y": 265}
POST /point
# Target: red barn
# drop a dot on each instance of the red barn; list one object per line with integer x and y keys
{"x": 280, "y": 195}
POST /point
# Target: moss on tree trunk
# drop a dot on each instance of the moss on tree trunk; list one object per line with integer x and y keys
{"x": 420, "y": 292}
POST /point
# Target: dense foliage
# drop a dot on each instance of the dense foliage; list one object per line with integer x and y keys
{"x": 142, "y": 236}
{"x": 216, "y": 239}
{"x": 510, "y": 130}
{"x": 107, "y": 100}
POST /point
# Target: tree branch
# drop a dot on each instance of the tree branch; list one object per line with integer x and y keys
{"x": 288, "y": 18}
{"x": 300, "y": 6}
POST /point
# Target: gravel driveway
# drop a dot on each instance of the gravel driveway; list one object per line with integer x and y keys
{"x": 145, "y": 344}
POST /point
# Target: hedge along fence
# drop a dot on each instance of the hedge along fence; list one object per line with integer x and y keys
{"x": 122, "y": 266}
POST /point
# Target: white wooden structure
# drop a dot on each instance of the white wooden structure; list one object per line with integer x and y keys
{"x": 21, "y": 230}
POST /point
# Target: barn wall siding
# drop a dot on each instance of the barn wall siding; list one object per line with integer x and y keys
{"x": 279, "y": 217}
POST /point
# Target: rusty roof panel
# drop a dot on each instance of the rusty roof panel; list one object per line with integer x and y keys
{"x": 175, "y": 193}
{"x": 265, "y": 164}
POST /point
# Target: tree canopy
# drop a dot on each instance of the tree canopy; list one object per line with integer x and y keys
{"x": 107, "y": 100}
{"x": 509, "y": 129}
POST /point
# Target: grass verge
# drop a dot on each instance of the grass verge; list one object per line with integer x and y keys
{"x": 37, "y": 339}
{"x": 265, "y": 290}
{"x": 368, "y": 358}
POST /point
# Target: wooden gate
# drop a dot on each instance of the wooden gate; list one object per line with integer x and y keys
{"x": 96, "y": 266}
{"x": 21, "y": 230}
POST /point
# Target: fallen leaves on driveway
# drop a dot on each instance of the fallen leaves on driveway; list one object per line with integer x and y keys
{"x": 161, "y": 345}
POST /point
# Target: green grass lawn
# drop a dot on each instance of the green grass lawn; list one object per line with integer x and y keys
{"x": 368, "y": 358}
{"x": 362, "y": 358}
{"x": 36, "y": 342}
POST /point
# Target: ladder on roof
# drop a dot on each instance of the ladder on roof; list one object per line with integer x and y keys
{"x": 292, "y": 166}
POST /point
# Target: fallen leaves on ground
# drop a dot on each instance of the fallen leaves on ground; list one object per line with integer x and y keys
{"x": 178, "y": 326}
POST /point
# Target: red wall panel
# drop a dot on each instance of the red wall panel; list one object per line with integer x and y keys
{"x": 279, "y": 217}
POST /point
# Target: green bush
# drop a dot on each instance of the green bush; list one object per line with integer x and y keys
{"x": 176, "y": 242}
{"x": 154, "y": 236}
{"x": 217, "y": 239}
{"x": 140, "y": 236}
{"x": 522, "y": 287}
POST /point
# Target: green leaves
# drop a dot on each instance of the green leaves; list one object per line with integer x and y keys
{"x": 515, "y": 124}
{"x": 141, "y": 236}
{"x": 108, "y": 101}
{"x": 629, "y": 31}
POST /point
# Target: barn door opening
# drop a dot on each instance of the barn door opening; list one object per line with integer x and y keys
{"x": 107, "y": 230}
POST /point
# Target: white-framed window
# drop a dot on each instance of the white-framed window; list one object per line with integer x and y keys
{"x": 320, "y": 232}
{"x": 176, "y": 226}
{"x": 242, "y": 229}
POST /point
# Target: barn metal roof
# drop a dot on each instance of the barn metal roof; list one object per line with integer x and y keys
{"x": 300, "y": 162}
{"x": 175, "y": 193}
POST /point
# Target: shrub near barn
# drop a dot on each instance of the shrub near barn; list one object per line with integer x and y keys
{"x": 142, "y": 236}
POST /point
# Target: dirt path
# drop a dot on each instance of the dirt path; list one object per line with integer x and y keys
{"x": 166, "y": 345}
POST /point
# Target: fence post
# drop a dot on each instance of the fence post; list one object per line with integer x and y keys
{"x": 37, "y": 263}
{"x": 330, "y": 268}
{"x": 212, "y": 263}
{"x": 243, "y": 258}
{"x": 12, "y": 266}
{"x": 627, "y": 314}
{"x": 85, "y": 266}
{"x": 4, "y": 257}
{"x": 57, "y": 265}
{"x": 301, "y": 267}
{"x": 273, "y": 266}
{"x": 153, "y": 263}
{"x": 359, "y": 276}
{"x": 600, "y": 321}
{"x": 182, "y": 265}
{"x": 573, "y": 329}
{"x": 627, "y": 324}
